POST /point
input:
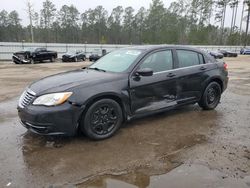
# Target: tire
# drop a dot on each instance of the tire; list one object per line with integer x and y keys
{"x": 211, "y": 96}
{"x": 32, "y": 61}
{"x": 52, "y": 59}
{"x": 102, "y": 119}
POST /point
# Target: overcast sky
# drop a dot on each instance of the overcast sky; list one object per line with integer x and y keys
{"x": 82, "y": 5}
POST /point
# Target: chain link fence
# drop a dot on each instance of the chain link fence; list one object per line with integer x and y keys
{"x": 8, "y": 48}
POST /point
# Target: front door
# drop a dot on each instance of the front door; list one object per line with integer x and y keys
{"x": 150, "y": 93}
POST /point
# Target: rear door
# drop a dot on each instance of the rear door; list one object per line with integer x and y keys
{"x": 193, "y": 70}
{"x": 150, "y": 93}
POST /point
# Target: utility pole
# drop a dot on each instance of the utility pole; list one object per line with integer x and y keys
{"x": 30, "y": 14}
{"x": 236, "y": 11}
{"x": 223, "y": 20}
{"x": 248, "y": 14}
{"x": 241, "y": 20}
{"x": 232, "y": 21}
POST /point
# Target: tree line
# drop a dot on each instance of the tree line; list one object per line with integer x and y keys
{"x": 183, "y": 22}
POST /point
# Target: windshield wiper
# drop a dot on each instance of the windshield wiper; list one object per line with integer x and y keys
{"x": 97, "y": 69}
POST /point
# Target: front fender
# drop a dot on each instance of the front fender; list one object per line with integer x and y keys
{"x": 118, "y": 90}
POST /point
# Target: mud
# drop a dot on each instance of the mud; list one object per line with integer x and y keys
{"x": 186, "y": 147}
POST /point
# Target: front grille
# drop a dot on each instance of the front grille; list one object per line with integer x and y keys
{"x": 26, "y": 98}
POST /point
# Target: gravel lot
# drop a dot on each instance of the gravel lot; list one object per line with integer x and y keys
{"x": 186, "y": 147}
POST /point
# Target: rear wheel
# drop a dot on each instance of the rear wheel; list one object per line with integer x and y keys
{"x": 102, "y": 119}
{"x": 211, "y": 96}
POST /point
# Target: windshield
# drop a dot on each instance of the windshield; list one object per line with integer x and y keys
{"x": 117, "y": 61}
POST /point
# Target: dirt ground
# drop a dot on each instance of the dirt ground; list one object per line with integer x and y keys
{"x": 186, "y": 147}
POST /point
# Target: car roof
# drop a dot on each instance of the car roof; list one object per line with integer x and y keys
{"x": 156, "y": 47}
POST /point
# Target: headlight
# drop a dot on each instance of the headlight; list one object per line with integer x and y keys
{"x": 52, "y": 99}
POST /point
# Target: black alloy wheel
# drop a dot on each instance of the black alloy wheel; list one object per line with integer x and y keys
{"x": 32, "y": 61}
{"x": 211, "y": 96}
{"x": 102, "y": 119}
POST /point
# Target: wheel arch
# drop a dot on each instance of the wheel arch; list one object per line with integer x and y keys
{"x": 112, "y": 96}
{"x": 213, "y": 79}
{"x": 219, "y": 81}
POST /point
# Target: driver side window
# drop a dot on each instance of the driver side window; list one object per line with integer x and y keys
{"x": 159, "y": 61}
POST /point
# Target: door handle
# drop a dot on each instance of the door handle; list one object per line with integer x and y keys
{"x": 203, "y": 68}
{"x": 170, "y": 75}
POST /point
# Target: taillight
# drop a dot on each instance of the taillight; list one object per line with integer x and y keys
{"x": 225, "y": 66}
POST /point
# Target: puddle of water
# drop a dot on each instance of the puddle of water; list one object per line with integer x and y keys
{"x": 195, "y": 176}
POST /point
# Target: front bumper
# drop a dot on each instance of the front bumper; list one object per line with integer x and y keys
{"x": 57, "y": 120}
{"x": 18, "y": 60}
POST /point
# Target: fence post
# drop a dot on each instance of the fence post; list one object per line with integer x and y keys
{"x": 85, "y": 46}
{"x": 22, "y": 44}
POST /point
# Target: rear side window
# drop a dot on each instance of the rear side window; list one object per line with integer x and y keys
{"x": 189, "y": 58}
{"x": 159, "y": 61}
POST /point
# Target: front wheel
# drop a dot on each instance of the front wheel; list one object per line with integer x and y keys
{"x": 75, "y": 59}
{"x": 53, "y": 59}
{"x": 102, "y": 119}
{"x": 32, "y": 61}
{"x": 211, "y": 96}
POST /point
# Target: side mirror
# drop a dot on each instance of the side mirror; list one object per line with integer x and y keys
{"x": 144, "y": 72}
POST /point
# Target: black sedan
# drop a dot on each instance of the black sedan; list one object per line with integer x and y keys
{"x": 74, "y": 56}
{"x": 227, "y": 53}
{"x": 123, "y": 85}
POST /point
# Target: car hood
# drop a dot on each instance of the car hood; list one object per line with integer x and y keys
{"x": 22, "y": 52}
{"x": 94, "y": 55}
{"x": 69, "y": 55}
{"x": 67, "y": 80}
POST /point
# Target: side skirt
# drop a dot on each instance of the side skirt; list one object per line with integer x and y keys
{"x": 137, "y": 116}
